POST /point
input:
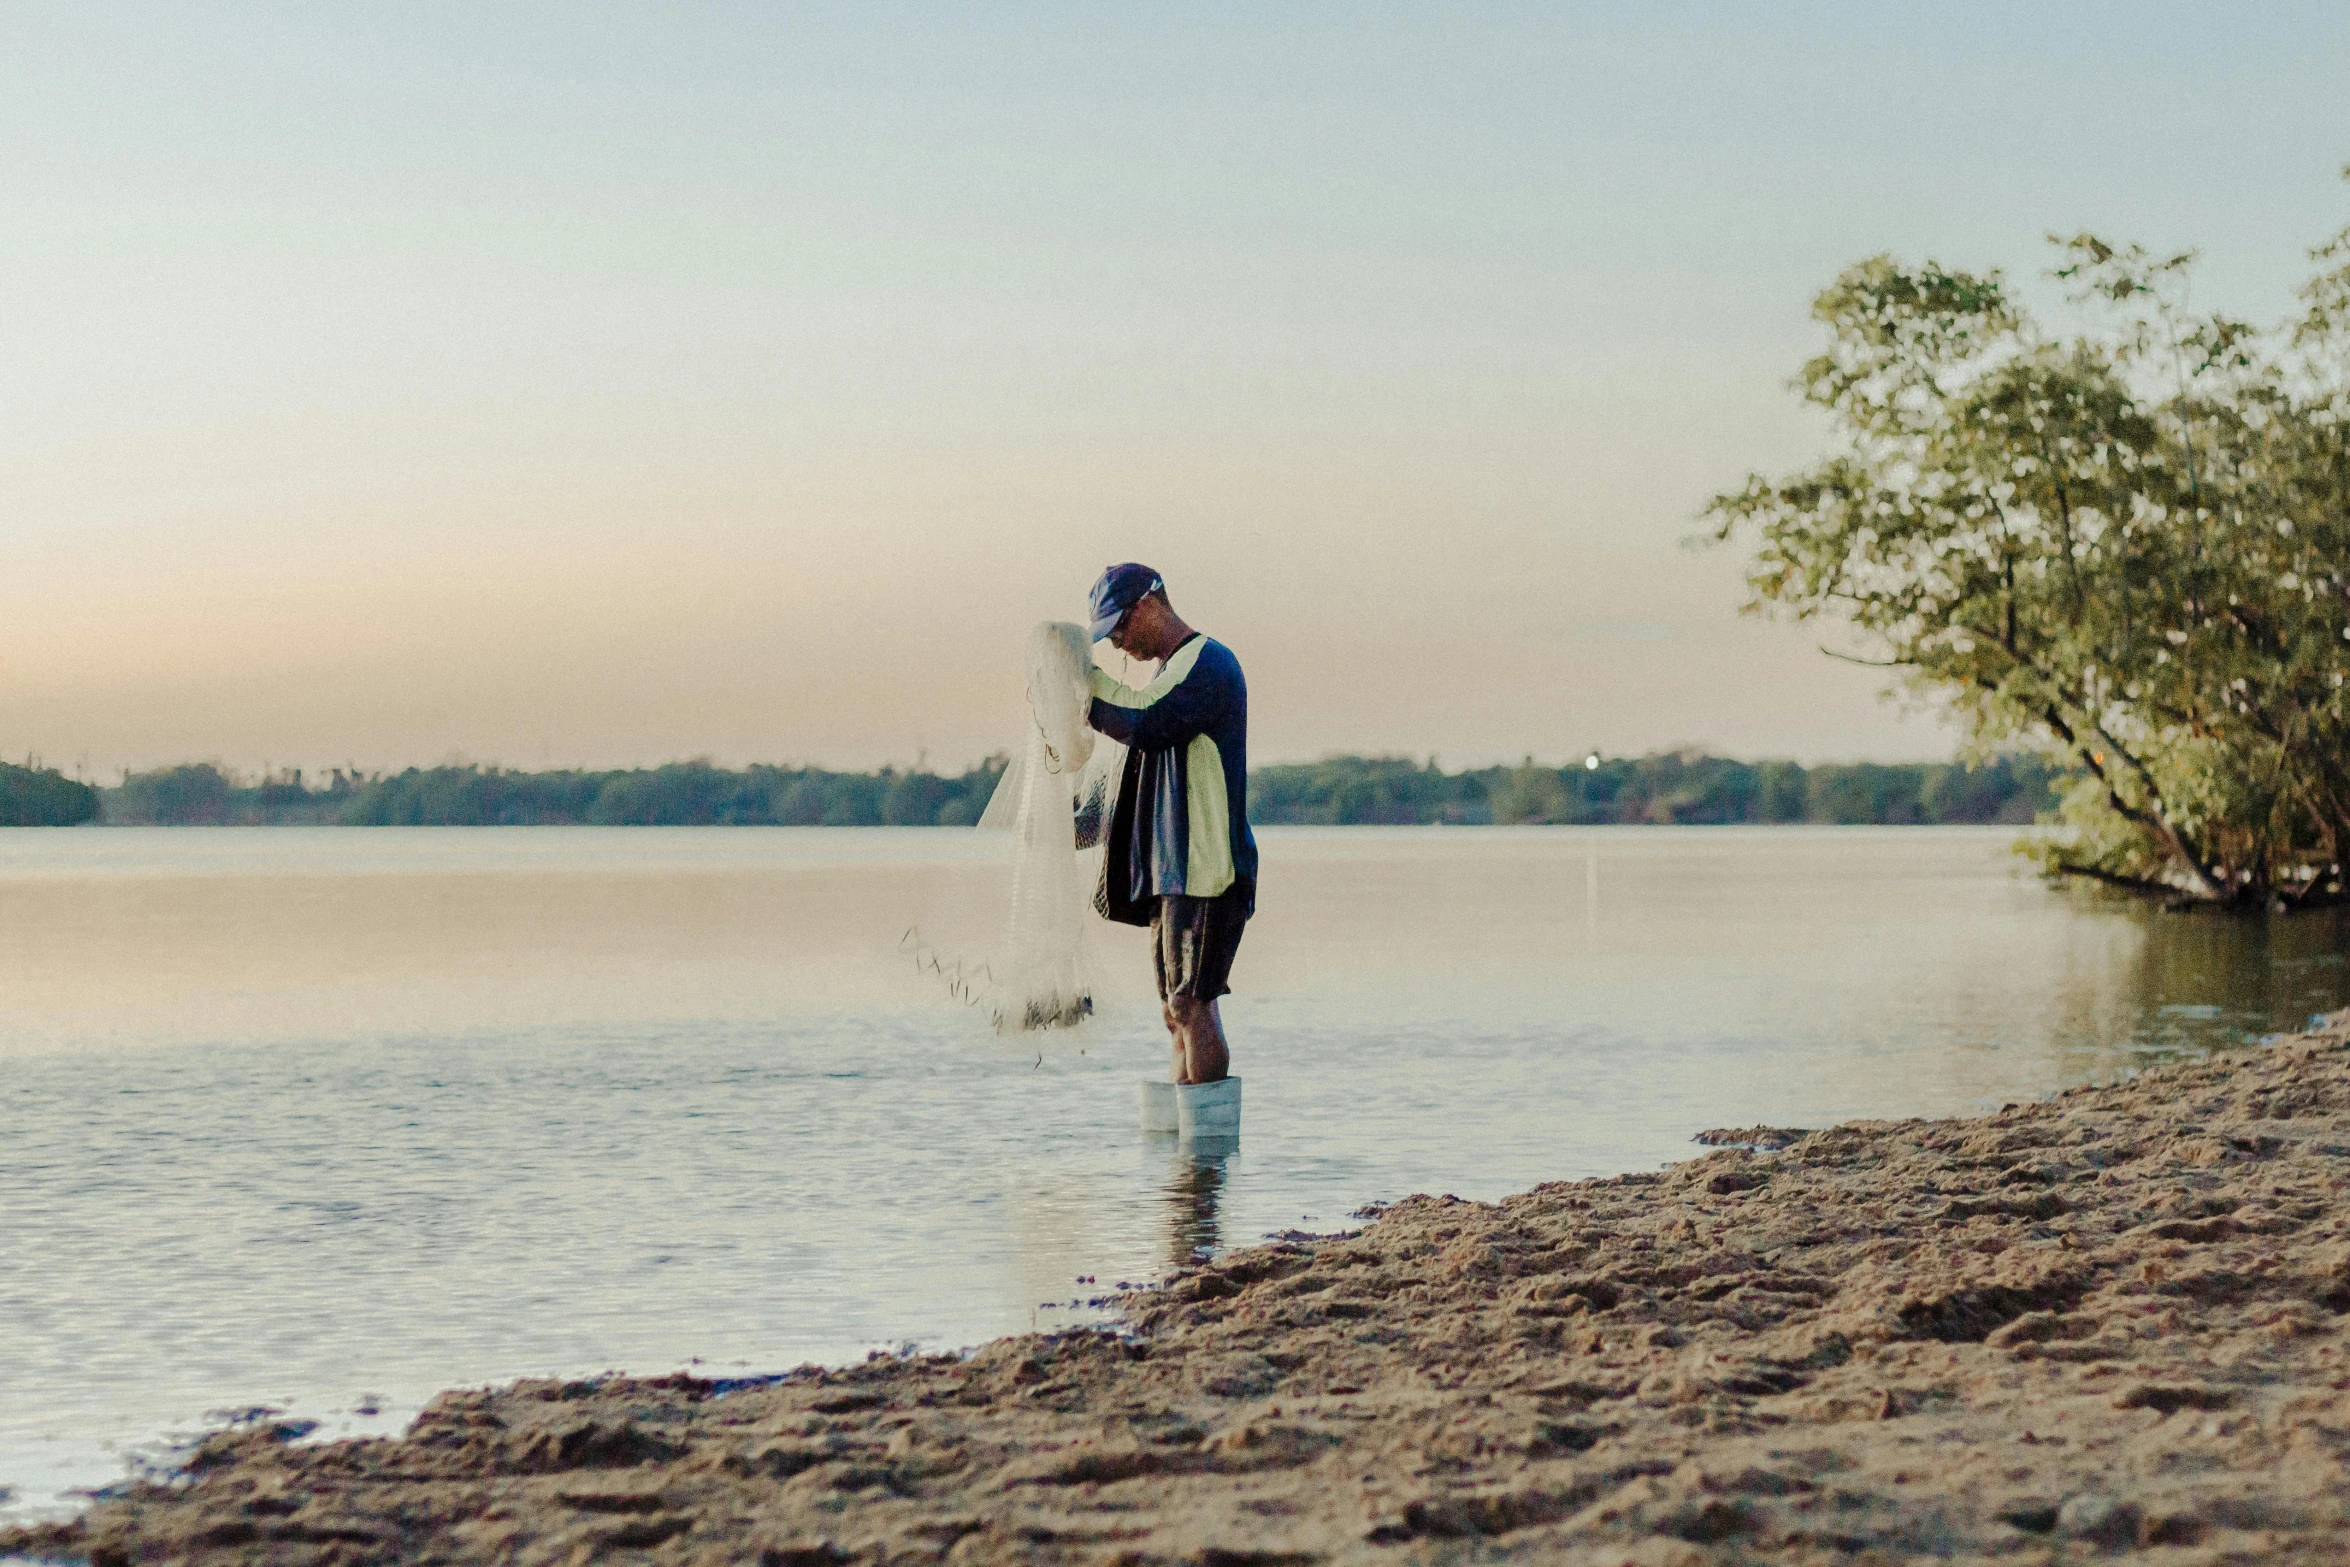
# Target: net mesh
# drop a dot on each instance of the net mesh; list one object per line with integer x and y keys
{"x": 1053, "y": 799}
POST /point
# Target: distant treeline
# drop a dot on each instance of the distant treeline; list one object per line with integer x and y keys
{"x": 682, "y": 794}
{"x": 1663, "y": 788}
{"x": 36, "y": 796}
{"x": 1674, "y": 787}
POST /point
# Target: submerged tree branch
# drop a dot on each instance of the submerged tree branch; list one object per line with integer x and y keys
{"x": 2158, "y": 889}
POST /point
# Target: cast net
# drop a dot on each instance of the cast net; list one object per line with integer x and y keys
{"x": 1054, "y": 799}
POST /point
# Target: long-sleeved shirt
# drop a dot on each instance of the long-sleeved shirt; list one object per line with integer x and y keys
{"x": 1181, "y": 824}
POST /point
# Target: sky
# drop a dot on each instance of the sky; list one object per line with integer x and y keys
{"x": 605, "y": 384}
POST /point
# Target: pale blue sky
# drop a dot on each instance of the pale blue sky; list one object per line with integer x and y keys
{"x": 614, "y": 383}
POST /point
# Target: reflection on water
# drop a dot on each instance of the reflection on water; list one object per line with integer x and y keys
{"x": 333, "y": 1119}
{"x": 1195, "y": 1184}
{"x": 2249, "y": 975}
{"x": 2189, "y": 983}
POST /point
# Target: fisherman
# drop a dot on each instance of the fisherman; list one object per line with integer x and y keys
{"x": 1179, "y": 858}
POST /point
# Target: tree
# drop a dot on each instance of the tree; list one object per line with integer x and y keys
{"x": 1782, "y": 789}
{"x": 35, "y": 796}
{"x": 913, "y": 799}
{"x": 1864, "y": 792}
{"x": 1532, "y": 794}
{"x": 2127, "y": 549}
{"x": 193, "y": 794}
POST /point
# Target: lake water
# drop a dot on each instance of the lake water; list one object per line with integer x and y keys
{"x": 331, "y": 1119}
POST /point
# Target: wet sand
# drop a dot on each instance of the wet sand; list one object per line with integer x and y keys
{"x": 2110, "y": 1322}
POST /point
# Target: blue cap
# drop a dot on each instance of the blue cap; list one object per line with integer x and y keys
{"x": 1117, "y": 590}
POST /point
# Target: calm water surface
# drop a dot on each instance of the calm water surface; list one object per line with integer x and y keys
{"x": 331, "y": 1119}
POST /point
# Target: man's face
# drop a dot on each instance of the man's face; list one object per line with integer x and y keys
{"x": 1129, "y": 638}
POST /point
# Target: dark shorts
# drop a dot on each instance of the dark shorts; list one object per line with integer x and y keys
{"x": 1192, "y": 944}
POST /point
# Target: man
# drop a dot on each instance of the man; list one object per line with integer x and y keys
{"x": 1179, "y": 856}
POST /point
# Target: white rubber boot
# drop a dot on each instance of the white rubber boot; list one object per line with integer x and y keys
{"x": 1208, "y": 1112}
{"x": 1158, "y": 1107}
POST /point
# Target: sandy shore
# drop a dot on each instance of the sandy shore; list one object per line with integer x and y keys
{"x": 2110, "y": 1322}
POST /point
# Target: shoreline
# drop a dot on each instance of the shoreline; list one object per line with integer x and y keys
{"x": 2110, "y": 1320}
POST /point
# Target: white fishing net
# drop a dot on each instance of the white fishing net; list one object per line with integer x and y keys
{"x": 1055, "y": 799}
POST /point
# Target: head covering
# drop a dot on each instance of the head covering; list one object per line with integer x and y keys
{"x": 1117, "y": 590}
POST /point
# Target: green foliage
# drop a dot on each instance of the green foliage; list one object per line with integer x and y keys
{"x": 1530, "y": 794}
{"x": 2127, "y": 550}
{"x": 1666, "y": 788}
{"x": 195, "y": 794}
{"x": 1864, "y": 793}
{"x": 32, "y": 796}
{"x": 473, "y": 797}
{"x": 2012, "y": 789}
{"x": 681, "y": 794}
{"x": 202, "y": 794}
{"x": 1673, "y": 787}
{"x": 1361, "y": 790}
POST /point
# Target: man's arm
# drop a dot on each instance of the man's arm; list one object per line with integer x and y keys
{"x": 1177, "y": 706}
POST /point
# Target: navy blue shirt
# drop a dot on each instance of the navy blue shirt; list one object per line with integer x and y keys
{"x": 1181, "y": 826}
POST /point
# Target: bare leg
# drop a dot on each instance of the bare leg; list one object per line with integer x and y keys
{"x": 1211, "y": 1054}
{"x": 1175, "y": 1038}
{"x": 1200, "y": 1038}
